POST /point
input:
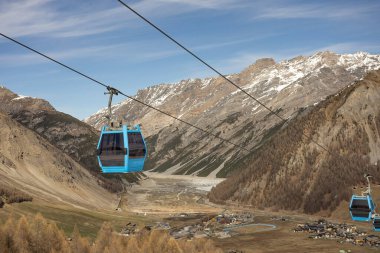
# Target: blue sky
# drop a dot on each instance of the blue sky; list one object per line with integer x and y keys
{"x": 108, "y": 42}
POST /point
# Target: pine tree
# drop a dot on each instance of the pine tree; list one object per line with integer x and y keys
{"x": 132, "y": 245}
{"x": 79, "y": 244}
{"x": 9, "y": 244}
{"x": 23, "y": 237}
{"x": 103, "y": 238}
{"x": 2, "y": 237}
{"x": 55, "y": 238}
{"x": 39, "y": 242}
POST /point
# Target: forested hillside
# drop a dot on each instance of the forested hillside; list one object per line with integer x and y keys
{"x": 290, "y": 171}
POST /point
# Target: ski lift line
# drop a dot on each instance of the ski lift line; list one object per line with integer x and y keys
{"x": 196, "y": 57}
{"x": 114, "y": 89}
{"x": 51, "y": 59}
{"x": 211, "y": 67}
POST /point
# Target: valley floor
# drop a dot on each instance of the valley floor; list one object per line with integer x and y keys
{"x": 181, "y": 201}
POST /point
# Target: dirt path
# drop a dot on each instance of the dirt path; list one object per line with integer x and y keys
{"x": 267, "y": 227}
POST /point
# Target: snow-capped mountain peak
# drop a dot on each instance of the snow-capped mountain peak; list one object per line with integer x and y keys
{"x": 214, "y": 104}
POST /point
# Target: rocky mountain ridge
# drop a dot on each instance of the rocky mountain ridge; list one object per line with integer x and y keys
{"x": 286, "y": 87}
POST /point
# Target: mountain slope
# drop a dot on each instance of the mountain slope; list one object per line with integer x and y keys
{"x": 66, "y": 132}
{"x": 74, "y": 137}
{"x": 286, "y": 87}
{"x": 32, "y": 165}
{"x": 291, "y": 172}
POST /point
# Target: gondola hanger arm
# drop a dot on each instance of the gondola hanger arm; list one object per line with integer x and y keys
{"x": 111, "y": 91}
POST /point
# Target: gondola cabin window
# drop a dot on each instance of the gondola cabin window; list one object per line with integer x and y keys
{"x": 112, "y": 150}
{"x": 136, "y": 145}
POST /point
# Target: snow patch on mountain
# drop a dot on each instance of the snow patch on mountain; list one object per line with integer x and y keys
{"x": 359, "y": 60}
{"x": 206, "y": 82}
{"x": 19, "y": 97}
{"x": 268, "y": 82}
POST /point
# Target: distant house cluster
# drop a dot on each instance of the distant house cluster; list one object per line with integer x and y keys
{"x": 131, "y": 228}
{"x": 322, "y": 229}
{"x": 217, "y": 226}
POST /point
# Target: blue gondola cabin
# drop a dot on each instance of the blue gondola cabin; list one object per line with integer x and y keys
{"x": 362, "y": 208}
{"x": 121, "y": 150}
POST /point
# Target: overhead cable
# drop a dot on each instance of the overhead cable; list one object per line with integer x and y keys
{"x": 210, "y": 67}
{"x": 120, "y": 92}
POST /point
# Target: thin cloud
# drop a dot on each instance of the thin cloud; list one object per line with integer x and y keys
{"x": 303, "y": 11}
{"x": 234, "y": 42}
{"x": 347, "y": 47}
{"x": 18, "y": 59}
{"x": 138, "y": 51}
{"x": 43, "y": 17}
{"x": 73, "y": 18}
{"x": 207, "y": 4}
{"x": 147, "y": 53}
